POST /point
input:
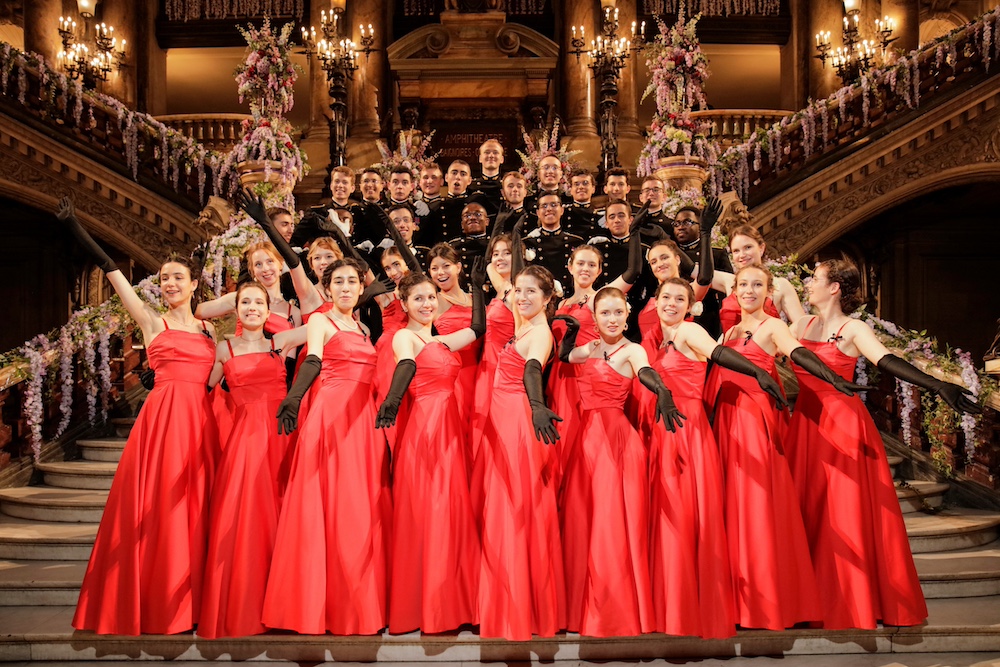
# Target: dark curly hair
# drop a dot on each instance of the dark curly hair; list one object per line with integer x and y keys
{"x": 846, "y": 274}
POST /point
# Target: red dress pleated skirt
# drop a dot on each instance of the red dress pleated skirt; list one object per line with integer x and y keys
{"x": 853, "y": 520}
{"x": 145, "y": 573}
{"x": 434, "y": 576}
{"x": 499, "y": 331}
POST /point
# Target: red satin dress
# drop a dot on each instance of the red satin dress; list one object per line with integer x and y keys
{"x": 393, "y": 319}
{"x": 328, "y": 573}
{"x": 499, "y": 331}
{"x": 563, "y": 391}
{"x": 455, "y": 319}
{"x": 606, "y": 514}
{"x": 246, "y": 497}
{"x": 521, "y": 584}
{"x": 145, "y": 572}
{"x": 855, "y": 527}
{"x": 730, "y": 312}
{"x": 689, "y": 558}
{"x": 435, "y": 548}
{"x": 769, "y": 553}
{"x": 307, "y": 399}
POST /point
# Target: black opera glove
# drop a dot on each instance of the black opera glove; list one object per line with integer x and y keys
{"x": 478, "y": 324}
{"x": 568, "y": 342}
{"x": 404, "y": 250}
{"x": 634, "y": 267}
{"x": 253, "y": 205}
{"x": 67, "y": 215}
{"x": 706, "y": 261}
{"x": 665, "y": 408}
{"x": 958, "y": 398}
{"x": 808, "y": 360}
{"x": 541, "y": 417}
{"x": 371, "y": 291}
{"x": 148, "y": 379}
{"x": 401, "y": 378}
{"x": 734, "y": 361}
{"x": 288, "y": 411}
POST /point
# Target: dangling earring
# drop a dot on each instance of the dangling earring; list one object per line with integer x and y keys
{"x": 626, "y": 327}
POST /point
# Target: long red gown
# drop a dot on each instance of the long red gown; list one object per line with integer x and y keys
{"x": 435, "y": 548}
{"x": 769, "y": 554}
{"x": 499, "y": 331}
{"x": 246, "y": 496}
{"x": 689, "y": 558}
{"x": 393, "y": 319}
{"x": 459, "y": 317}
{"x": 563, "y": 391}
{"x": 328, "y": 573}
{"x": 521, "y": 584}
{"x": 606, "y": 514}
{"x": 853, "y": 520}
{"x": 145, "y": 573}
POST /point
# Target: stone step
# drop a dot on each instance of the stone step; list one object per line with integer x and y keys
{"x": 101, "y": 449}
{"x": 894, "y": 462}
{"x": 30, "y": 583}
{"x": 123, "y": 425}
{"x": 951, "y": 530}
{"x": 49, "y": 503}
{"x": 921, "y": 494}
{"x": 957, "y": 574}
{"x": 26, "y": 539}
{"x": 79, "y": 474}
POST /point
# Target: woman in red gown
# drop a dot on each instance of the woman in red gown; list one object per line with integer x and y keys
{"x": 145, "y": 572}
{"x": 606, "y": 490}
{"x": 769, "y": 553}
{"x": 393, "y": 319}
{"x": 328, "y": 572}
{"x": 521, "y": 587}
{"x": 246, "y": 493}
{"x": 434, "y": 573}
{"x": 848, "y": 499}
{"x": 689, "y": 559}
{"x": 746, "y": 245}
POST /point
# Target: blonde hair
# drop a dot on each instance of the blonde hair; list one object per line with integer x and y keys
{"x": 326, "y": 243}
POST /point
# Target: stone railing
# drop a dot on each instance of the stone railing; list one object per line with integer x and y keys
{"x": 733, "y": 126}
{"x": 215, "y": 131}
{"x": 805, "y": 142}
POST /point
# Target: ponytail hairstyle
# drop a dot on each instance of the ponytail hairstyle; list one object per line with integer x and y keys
{"x": 846, "y": 274}
{"x": 546, "y": 283}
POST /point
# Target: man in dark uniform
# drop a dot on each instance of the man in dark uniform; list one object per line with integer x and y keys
{"x": 488, "y": 181}
{"x": 401, "y": 215}
{"x": 458, "y": 179}
{"x": 428, "y": 207}
{"x": 653, "y": 192}
{"x": 687, "y": 232}
{"x": 580, "y": 217}
{"x": 475, "y": 221}
{"x": 400, "y": 187}
{"x": 550, "y": 243}
{"x": 549, "y": 179}
{"x": 514, "y": 189}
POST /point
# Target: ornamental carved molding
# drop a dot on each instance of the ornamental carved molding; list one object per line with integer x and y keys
{"x": 37, "y": 170}
{"x": 953, "y": 144}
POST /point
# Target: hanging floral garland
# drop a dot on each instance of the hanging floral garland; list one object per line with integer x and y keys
{"x": 193, "y": 10}
{"x": 712, "y": 7}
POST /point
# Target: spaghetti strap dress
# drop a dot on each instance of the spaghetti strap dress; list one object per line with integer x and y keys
{"x": 145, "y": 572}
{"x": 499, "y": 331}
{"x": 329, "y": 569}
{"x": 605, "y": 513}
{"x": 852, "y": 516}
{"x": 769, "y": 553}
{"x": 246, "y": 497}
{"x": 459, "y": 317}
{"x": 434, "y": 576}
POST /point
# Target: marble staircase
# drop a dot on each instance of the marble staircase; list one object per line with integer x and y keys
{"x": 47, "y": 531}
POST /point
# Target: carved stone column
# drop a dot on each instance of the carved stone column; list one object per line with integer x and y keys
{"x": 316, "y": 142}
{"x": 630, "y": 141}
{"x": 369, "y": 81}
{"x": 579, "y": 93}
{"x": 41, "y": 23}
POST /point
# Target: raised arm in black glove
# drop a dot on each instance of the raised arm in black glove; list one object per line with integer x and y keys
{"x": 349, "y": 250}
{"x": 478, "y": 278}
{"x": 665, "y": 407}
{"x": 706, "y": 263}
{"x": 634, "y": 268}
{"x": 373, "y": 290}
{"x": 808, "y": 360}
{"x": 569, "y": 340}
{"x": 288, "y": 411}
{"x": 253, "y": 206}
{"x": 404, "y": 250}
{"x": 517, "y": 248}
{"x": 734, "y": 361}
{"x": 67, "y": 214}
{"x": 541, "y": 416}
{"x": 401, "y": 378}
{"x": 958, "y": 398}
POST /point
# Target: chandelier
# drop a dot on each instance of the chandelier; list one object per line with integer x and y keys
{"x": 89, "y": 55}
{"x": 856, "y": 55}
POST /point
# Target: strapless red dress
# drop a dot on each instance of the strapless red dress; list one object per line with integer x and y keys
{"x": 769, "y": 553}
{"x": 145, "y": 572}
{"x": 328, "y": 573}
{"x": 855, "y": 526}
{"x": 435, "y": 548}
{"x": 246, "y": 497}
{"x": 606, "y": 513}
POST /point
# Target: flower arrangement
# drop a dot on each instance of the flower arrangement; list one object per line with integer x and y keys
{"x": 267, "y": 75}
{"x": 546, "y": 144}
{"x": 411, "y": 152}
{"x": 675, "y": 200}
{"x": 265, "y": 140}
